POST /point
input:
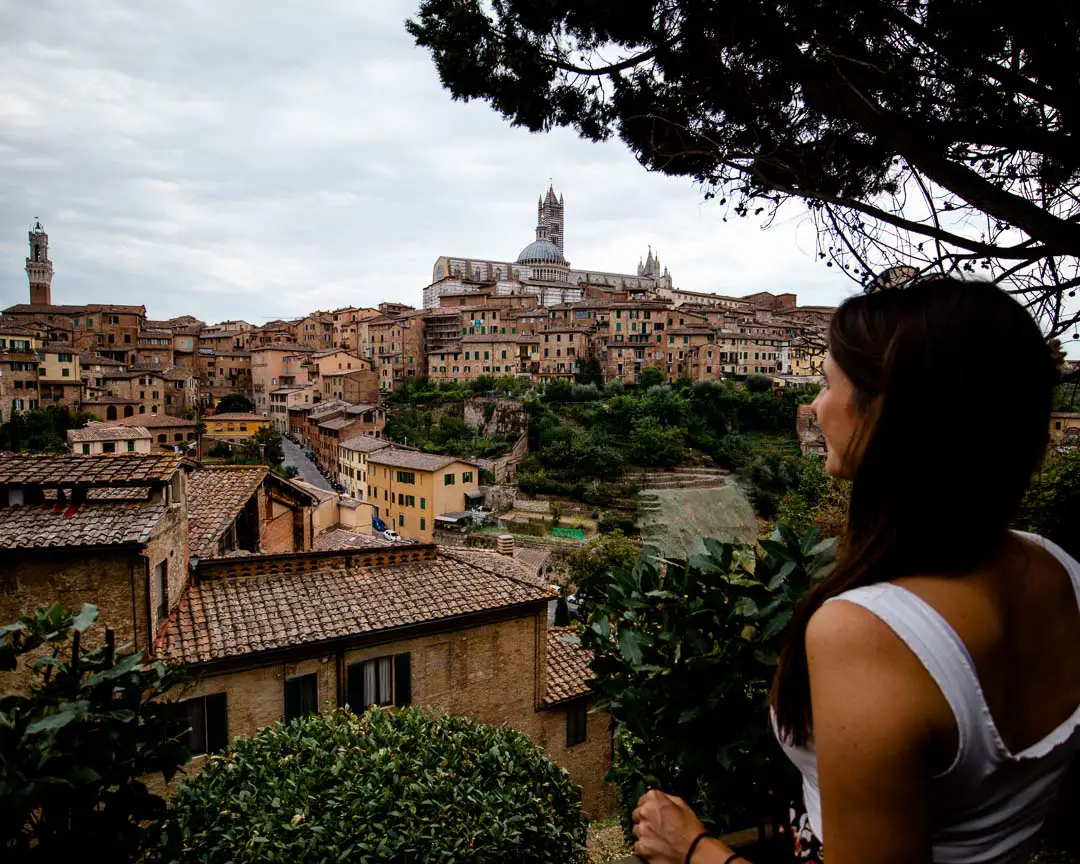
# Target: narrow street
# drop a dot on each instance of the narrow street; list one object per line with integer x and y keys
{"x": 294, "y": 455}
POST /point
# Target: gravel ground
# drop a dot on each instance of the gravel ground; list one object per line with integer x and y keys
{"x": 606, "y": 842}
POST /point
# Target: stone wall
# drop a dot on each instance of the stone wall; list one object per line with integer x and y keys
{"x": 493, "y": 671}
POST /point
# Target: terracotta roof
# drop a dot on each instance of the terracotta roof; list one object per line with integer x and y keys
{"x": 106, "y": 432}
{"x": 88, "y": 359}
{"x": 232, "y": 617}
{"x": 532, "y": 556}
{"x": 337, "y": 423}
{"x": 344, "y": 538}
{"x": 473, "y": 338}
{"x": 237, "y": 417}
{"x": 89, "y": 524}
{"x": 365, "y": 444}
{"x": 154, "y": 421}
{"x": 567, "y": 666}
{"x": 362, "y": 408}
{"x": 395, "y": 458}
{"x": 215, "y": 496}
{"x": 119, "y": 470}
{"x": 40, "y": 309}
{"x": 106, "y": 399}
{"x": 115, "y": 493}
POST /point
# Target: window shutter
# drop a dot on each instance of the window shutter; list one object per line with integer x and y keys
{"x": 217, "y": 723}
{"x": 293, "y": 698}
{"x": 402, "y": 679}
{"x": 354, "y": 690}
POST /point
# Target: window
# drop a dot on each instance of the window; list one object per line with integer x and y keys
{"x": 410, "y": 501}
{"x": 208, "y": 721}
{"x": 466, "y": 476}
{"x": 301, "y": 696}
{"x": 381, "y": 681}
{"x": 161, "y": 439}
{"x": 108, "y": 447}
{"x": 130, "y": 446}
{"x": 406, "y": 477}
{"x": 86, "y": 449}
{"x": 161, "y": 582}
{"x": 401, "y": 520}
{"x": 423, "y": 524}
{"x": 448, "y": 480}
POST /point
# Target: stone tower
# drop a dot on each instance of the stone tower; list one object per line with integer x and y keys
{"x": 39, "y": 269}
{"x": 550, "y": 217}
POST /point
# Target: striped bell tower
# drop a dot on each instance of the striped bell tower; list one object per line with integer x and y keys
{"x": 39, "y": 269}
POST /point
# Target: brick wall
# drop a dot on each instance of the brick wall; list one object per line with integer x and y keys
{"x": 31, "y": 579}
{"x": 493, "y": 672}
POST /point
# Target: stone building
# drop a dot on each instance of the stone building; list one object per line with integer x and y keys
{"x": 167, "y": 433}
{"x": 108, "y": 531}
{"x": 244, "y": 508}
{"x": 170, "y": 390}
{"x": 103, "y": 439}
{"x": 1065, "y": 428}
{"x": 18, "y": 369}
{"x": 272, "y": 637}
{"x": 331, "y": 433}
{"x": 39, "y": 269}
{"x": 222, "y": 372}
{"x": 274, "y": 367}
{"x": 540, "y": 270}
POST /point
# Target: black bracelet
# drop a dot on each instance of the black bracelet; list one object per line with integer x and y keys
{"x": 732, "y": 857}
{"x": 693, "y": 845}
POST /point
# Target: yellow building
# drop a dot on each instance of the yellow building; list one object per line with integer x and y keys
{"x": 353, "y": 464}
{"x": 59, "y": 377}
{"x": 409, "y": 489}
{"x": 1065, "y": 427}
{"x": 235, "y": 428}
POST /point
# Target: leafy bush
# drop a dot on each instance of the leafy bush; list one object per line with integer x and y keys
{"x": 758, "y": 383}
{"x": 655, "y": 445}
{"x": 650, "y": 376}
{"x": 400, "y": 785}
{"x": 683, "y": 657}
{"x": 1051, "y": 506}
{"x": 41, "y": 430}
{"x": 75, "y": 744}
{"x": 234, "y": 403}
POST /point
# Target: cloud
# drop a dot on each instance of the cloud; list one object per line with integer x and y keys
{"x": 259, "y": 160}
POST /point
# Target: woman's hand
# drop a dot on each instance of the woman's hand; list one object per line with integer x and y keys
{"x": 664, "y": 827}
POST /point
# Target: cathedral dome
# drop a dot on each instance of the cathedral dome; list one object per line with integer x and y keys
{"x": 541, "y": 251}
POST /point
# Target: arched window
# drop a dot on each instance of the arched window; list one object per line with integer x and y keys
{"x": 110, "y": 412}
{"x": 129, "y": 411}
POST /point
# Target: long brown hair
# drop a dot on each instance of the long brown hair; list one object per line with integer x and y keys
{"x": 954, "y": 386}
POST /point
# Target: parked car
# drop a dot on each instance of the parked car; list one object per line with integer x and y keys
{"x": 391, "y": 534}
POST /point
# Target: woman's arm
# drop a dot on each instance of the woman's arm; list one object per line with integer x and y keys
{"x": 664, "y": 828}
{"x": 874, "y": 708}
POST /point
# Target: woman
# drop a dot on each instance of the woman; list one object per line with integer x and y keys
{"x": 929, "y": 688}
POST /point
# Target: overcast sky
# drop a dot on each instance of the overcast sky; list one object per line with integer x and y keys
{"x": 253, "y": 159}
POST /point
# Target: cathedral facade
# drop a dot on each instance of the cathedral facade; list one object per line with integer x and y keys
{"x": 540, "y": 269}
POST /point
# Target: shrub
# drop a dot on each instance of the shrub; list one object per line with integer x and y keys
{"x": 650, "y": 376}
{"x": 76, "y": 744}
{"x": 758, "y": 383}
{"x": 398, "y": 785}
{"x": 683, "y": 658}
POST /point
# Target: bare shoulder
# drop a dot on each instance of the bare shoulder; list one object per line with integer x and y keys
{"x": 845, "y": 631}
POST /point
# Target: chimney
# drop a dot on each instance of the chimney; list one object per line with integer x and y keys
{"x": 506, "y": 545}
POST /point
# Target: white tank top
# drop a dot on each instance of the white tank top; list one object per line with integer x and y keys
{"x": 989, "y": 805}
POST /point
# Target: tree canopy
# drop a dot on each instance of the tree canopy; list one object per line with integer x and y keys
{"x": 234, "y": 403}
{"x": 938, "y": 133}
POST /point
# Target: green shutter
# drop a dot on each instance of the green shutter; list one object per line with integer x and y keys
{"x": 402, "y": 679}
{"x": 423, "y": 503}
{"x": 294, "y": 698}
{"x": 217, "y": 723}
